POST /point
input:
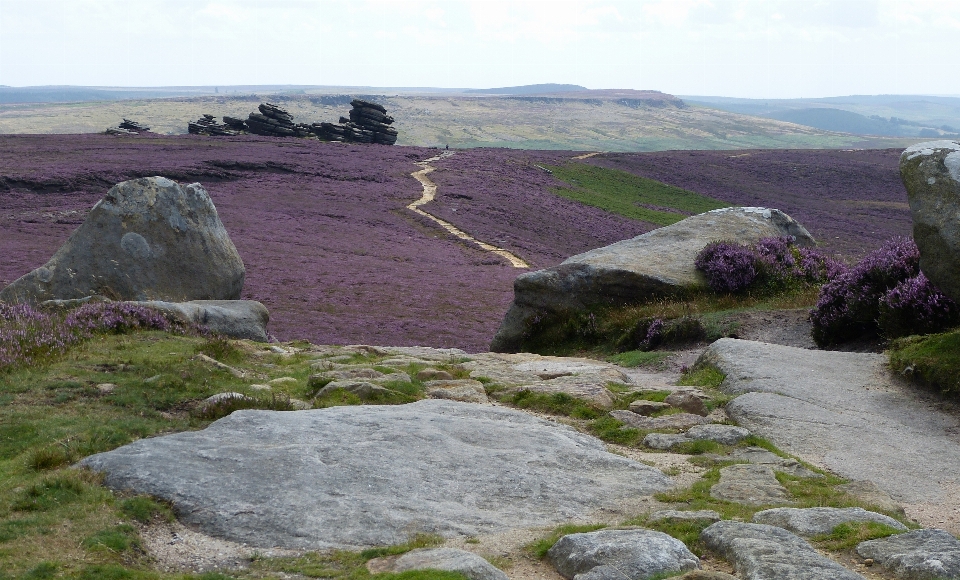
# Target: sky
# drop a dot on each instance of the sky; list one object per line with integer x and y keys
{"x": 734, "y": 48}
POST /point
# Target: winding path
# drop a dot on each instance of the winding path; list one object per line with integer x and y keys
{"x": 430, "y": 193}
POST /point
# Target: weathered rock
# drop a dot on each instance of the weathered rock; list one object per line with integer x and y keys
{"x": 706, "y": 575}
{"x": 692, "y": 515}
{"x": 636, "y": 554}
{"x": 931, "y": 174}
{"x": 929, "y": 554}
{"x": 687, "y": 401}
{"x": 448, "y": 559}
{"x": 656, "y": 263}
{"x": 234, "y": 318}
{"x": 434, "y": 375}
{"x": 677, "y": 421}
{"x": 147, "y": 239}
{"x": 466, "y": 390}
{"x": 847, "y": 413}
{"x": 221, "y": 397}
{"x": 591, "y": 389}
{"x": 647, "y": 408}
{"x": 362, "y": 389}
{"x": 346, "y": 374}
{"x": 750, "y": 485}
{"x": 870, "y": 494}
{"x": 820, "y": 520}
{"x": 760, "y": 552}
{"x": 373, "y": 475}
{"x": 761, "y": 456}
{"x": 724, "y": 434}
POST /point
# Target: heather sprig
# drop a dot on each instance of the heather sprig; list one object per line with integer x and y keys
{"x": 728, "y": 267}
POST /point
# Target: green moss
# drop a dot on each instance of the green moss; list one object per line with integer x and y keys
{"x": 539, "y": 548}
{"x": 630, "y": 195}
{"x": 931, "y": 360}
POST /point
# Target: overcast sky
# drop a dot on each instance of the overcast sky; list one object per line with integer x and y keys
{"x": 740, "y": 48}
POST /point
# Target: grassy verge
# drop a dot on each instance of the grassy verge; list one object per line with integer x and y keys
{"x": 932, "y": 360}
{"x": 697, "y": 315}
{"x": 630, "y": 195}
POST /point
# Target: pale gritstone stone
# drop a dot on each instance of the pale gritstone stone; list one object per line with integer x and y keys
{"x": 750, "y": 485}
{"x": 637, "y": 553}
{"x": 820, "y": 520}
{"x": 916, "y": 555}
{"x": 760, "y": 552}
{"x": 451, "y": 560}
{"x": 358, "y": 476}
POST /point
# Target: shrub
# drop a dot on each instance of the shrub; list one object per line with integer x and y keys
{"x": 728, "y": 267}
{"x": 884, "y": 294}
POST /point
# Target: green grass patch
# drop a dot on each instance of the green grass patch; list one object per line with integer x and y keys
{"x": 639, "y": 358}
{"x": 611, "y": 430}
{"x": 145, "y": 509}
{"x": 539, "y": 548}
{"x": 847, "y": 535}
{"x": 630, "y": 195}
{"x": 704, "y": 376}
{"x": 932, "y": 360}
{"x": 554, "y": 403}
{"x": 687, "y": 531}
{"x": 116, "y": 539}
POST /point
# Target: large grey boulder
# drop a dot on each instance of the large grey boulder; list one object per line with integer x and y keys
{"x": 373, "y": 475}
{"x": 931, "y": 174}
{"x": 929, "y": 554}
{"x": 760, "y": 552}
{"x": 634, "y": 554}
{"x": 723, "y": 434}
{"x": 820, "y": 520}
{"x": 147, "y": 239}
{"x": 653, "y": 264}
{"x": 450, "y": 560}
{"x": 846, "y": 412}
{"x": 234, "y": 318}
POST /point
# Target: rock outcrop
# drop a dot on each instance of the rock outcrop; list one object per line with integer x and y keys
{"x": 373, "y": 475}
{"x": 448, "y": 559}
{"x": 273, "y": 121}
{"x": 657, "y": 263}
{"x": 625, "y": 554}
{"x": 207, "y": 125}
{"x": 845, "y": 412}
{"x": 127, "y": 127}
{"x": 918, "y": 555}
{"x": 931, "y": 174}
{"x": 147, "y": 239}
{"x": 820, "y": 520}
{"x": 368, "y": 123}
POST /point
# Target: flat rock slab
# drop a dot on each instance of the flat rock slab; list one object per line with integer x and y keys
{"x": 929, "y": 554}
{"x": 448, "y": 559}
{"x": 761, "y": 456}
{"x": 676, "y": 421}
{"x": 820, "y": 520}
{"x": 846, "y": 412}
{"x": 610, "y": 554}
{"x": 724, "y": 434}
{"x": 373, "y": 475}
{"x": 760, "y": 552}
{"x": 681, "y": 515}
{"x": 751, "y": 485}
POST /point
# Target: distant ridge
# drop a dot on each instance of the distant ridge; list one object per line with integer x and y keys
{"x": 529, "y": 90}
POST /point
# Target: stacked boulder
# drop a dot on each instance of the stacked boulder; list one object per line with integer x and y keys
{"x": 207, "y": 125}
{"x": 234, "y": 123}
{"x": 368, "y": 123}
{"x": 127, "y": 127}
{"x": 272, "y": 121}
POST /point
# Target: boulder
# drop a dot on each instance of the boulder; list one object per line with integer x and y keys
{"x": 931, "y": 174}
{"x": 688, "y": 401}
{"x": 434, "y": 375}
{"x": 761, "y": 456}
{"x": 760, "y": 552}
{"x": 360, "y": 476}
{"x": 647, "y": 408}
{"x": 148, "y": 239}
{"x": 677, "y": 421}
{"x": 466, "y": 390}
{"x": 243, "y": 319}
{"x": 634, "y": 554}
{"x": 450, "y": 560}
{"x": 723, "y": 434}
{"x": 362, "y": 389}
{"x": 929, "y": 554}
{"x": 685, "y": 515}
{"x": 657, "y": 263}
{"x": 820, "y": 520}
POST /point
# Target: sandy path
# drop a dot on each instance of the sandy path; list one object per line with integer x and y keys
{"x": 430, "y": 193}
{"x": 587, "y": 155}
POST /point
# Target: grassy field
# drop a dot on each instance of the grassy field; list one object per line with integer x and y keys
{"x": 460, "y": 122}
{"x": 630, "y": 195}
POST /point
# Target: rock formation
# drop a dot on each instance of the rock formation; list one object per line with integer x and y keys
{"x": 127, "y": 127}
{"x": 368, "y": 123}
{"x": 272, "y": 121}
{"x": 931, "y": 174}
{"x": 654, "y": 264}
{"x": 207, "y": 125}
{"x": 147, "y": 239}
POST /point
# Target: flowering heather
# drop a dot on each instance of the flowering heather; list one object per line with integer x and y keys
{"x": 28, "y": 335}
{"x": 728, "y": 266}
{"x": 886, "y": 285}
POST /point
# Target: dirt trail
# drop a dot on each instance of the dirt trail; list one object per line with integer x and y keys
{"x": 430, "y": 192}
{"x": 587, "y": 155}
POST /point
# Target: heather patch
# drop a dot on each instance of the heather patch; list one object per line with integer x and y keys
{"x": 884, "y": 295}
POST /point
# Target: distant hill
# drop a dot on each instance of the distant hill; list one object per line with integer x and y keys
{"x": 839, "y": 120}
{"x": 528, "y": 90}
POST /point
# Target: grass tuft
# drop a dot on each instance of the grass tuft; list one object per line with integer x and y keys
{"x": 932, "y": 360}
{"x": 847, "y": 535}
{"x": 539, "y": 548}
{"x": 554, "y": 403}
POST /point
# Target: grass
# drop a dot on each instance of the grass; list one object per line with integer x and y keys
{"x": 554, "y": 403}
{"x": 639, "y": 358}
{"x": 847, "y": 535}
{"x": 694, "y": 314}
{"x": 932, "y": 360}
{"x": 630, "y": 195}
